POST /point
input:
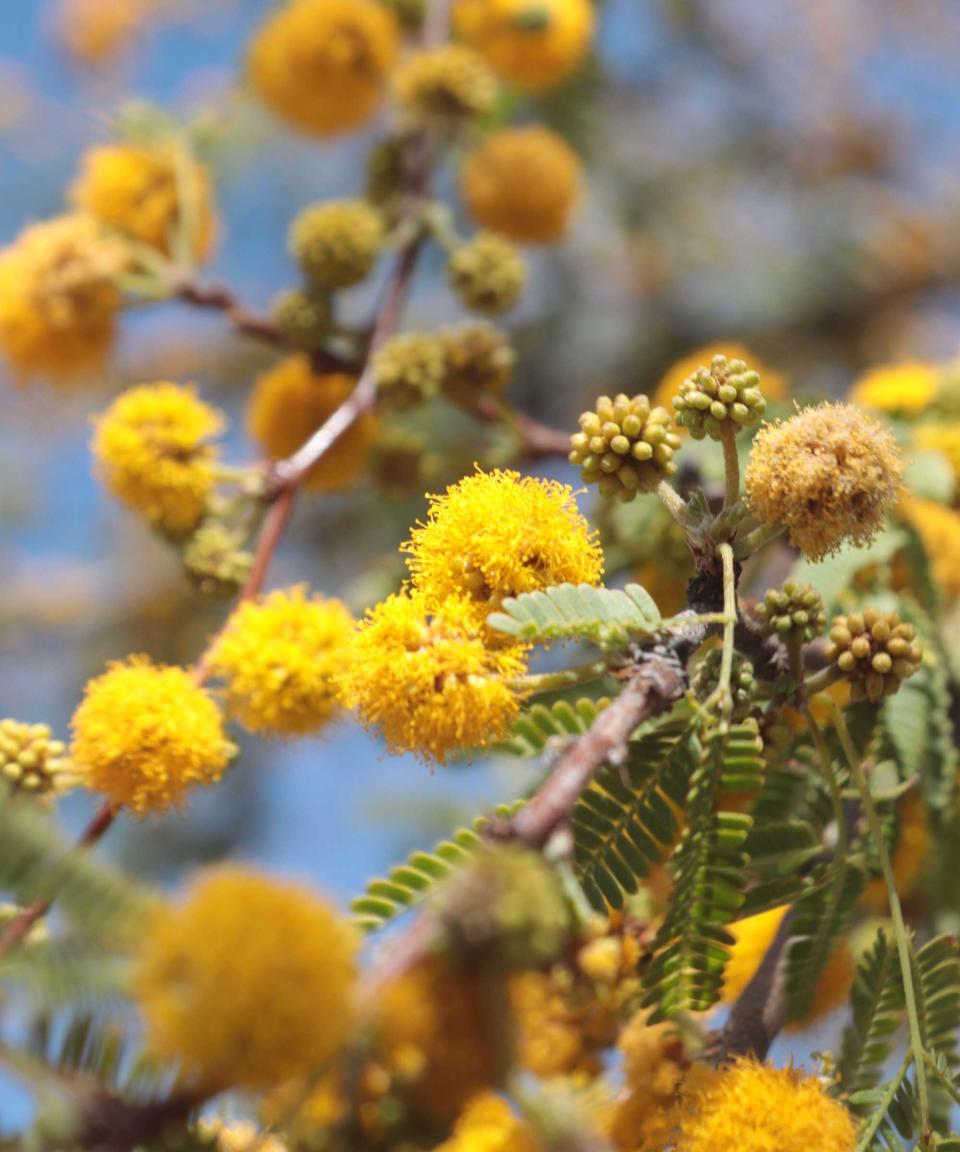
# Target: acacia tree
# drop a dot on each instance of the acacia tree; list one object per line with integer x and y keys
{"x": 737, "y": 796}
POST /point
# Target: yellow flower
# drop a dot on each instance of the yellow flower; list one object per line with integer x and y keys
{"x": 497, "y": 534}
{"x": 773, "y": 384}
{"x": 829, "y": 474}
{"x": 428, "y": 680}
{"x": 434, "y": 1024}
{"x": 146, "y": 734}
{"x": 152, "y": 451}
{"x": 240, "y": 1137}
{"x": 753, "y": 1108}
{"x": 487, "y": 1124}
{"x": 753, "y": 937}
{"x": 907, "y": 389}
{"x": 279, "y": 657}
{"x": 446, "y": 86}
{"x": 534, "y": 44}
{"x": 939, "y": 529}
{"x": 249, "y": 982}
{"x": 290, "y": 402}
{"x": 654, "y": 1068}
{"x": 523, "y": 183}
{"x": 562, "y": 1028}
{"x": 58, "y": 299}
{"x": 95, "y": 31}
{"x": 321, "y": 65}
{"x": 942, "y": 438}
{"x": 137, "y": 190}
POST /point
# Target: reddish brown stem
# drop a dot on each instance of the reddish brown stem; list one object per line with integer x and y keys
{"x": 18, "y": 928}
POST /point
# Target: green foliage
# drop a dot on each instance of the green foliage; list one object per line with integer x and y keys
{"x": 607, "y": 617}
{"x": 36, "y": 865}
{"x": 537, "y": 726}
{"x": 412, "y": 881}
{"x": 63, "y": 972}
{"x": 877, "y": 1013}
{"x": 626, "y": 821}
{"x": 836, "y": 576}
{"x": 709, "y": 872}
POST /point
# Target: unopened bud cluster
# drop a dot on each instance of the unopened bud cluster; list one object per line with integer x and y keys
{"x": 303, "y": 317}
{"x": 625, "y": 446}
{"x": 463, "y": 363}
{"x": 337, "y": 244}
{"x": 725, "y": 395}
{"x": 706, "y": 680}
{"x": 793, "y": 610}
{"x": 410, "y": 370}
{"x": 216, "y": 559}
{"x": 488, "y": 274}
{"x": 876, "y": 651}
{"x": 446, "y": 87}
{"x": 31, "y": 761}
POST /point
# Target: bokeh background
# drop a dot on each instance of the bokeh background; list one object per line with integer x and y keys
{"x": 786, "y": 175}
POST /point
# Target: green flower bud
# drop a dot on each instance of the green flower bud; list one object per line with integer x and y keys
{"x": 624, "y": 446}
{"x": 31, "y": 761}
{"x": 488, "y": 274}
{"x": 303, "y": 318}
{"x": 337, "y": 244}
{"x": 216, "y": 560}
{"x": 725, "y": 395}
{"x": 410, "y": 370}
{"x": 794, "y": 609}
{"x": 876, "y": 651}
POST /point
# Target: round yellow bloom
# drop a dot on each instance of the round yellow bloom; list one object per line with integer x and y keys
{"x": 905, "y": 389}
{"x": 58, "y": 299}
{"x": 290, "y": 402}
{"x": 752, "y": 939}
{"x": 429, "y": 681}
{"x": 939, "y": 529}
{"x": 487, "y": 1124}
{"x": 654, "y": 1068}
{"x": 753, "y": 1108}
{"x": 152, "y": 451}
{"x": 534, "y": 44}
{"x": 829, "y": 474}
{"x": 523, "y": 183}
{"x": 279, "y": 657}
{"x": 146, "y": 734}
{"x": 942, "y": 438}
{"x": 249, "y": 982}
{"x": 137, "y": 191}
{"x": 95, "y": 31}
{"x": 321, "y": 65}
{"x": 497, "y": 534}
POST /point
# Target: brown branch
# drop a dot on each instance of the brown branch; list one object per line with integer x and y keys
{"x": 537, "y": 440}
{"x": 17, "y": 930}
{"x": 112, "y": 1124}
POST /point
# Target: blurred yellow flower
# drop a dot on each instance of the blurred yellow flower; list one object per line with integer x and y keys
{"x": 488, "y": 1124}
{"x": 939, "y": 529}
{"x": 279, "y": 657}
{"x": 942, "y": 438}
{"x": 95, "y": 32}
{"x": 905, "y": 389}
{"x": 533, "y": 44}
{"x": 322, "y": 65}
{"x": 249, "y": 982}
{"x": 145, "y": 734}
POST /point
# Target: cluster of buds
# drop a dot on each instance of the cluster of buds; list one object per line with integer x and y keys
{"x": 793, "y": 610}
{"x": 488, "y": 274}
{"x": 303, "y": 318}
{"x": 480, "y": 361}
{"x": 706, "y": 680}
{"x": 337, "y": 244}
{"x": 625, "y": 446}
{"x": 724, "y": 396}
{"x": 446, "y": 88}
{"x": 410, "y": 370}
{"x": 216, "y": 559}
{"x": 876, "y": 651}
{"x": 31, "y": 761}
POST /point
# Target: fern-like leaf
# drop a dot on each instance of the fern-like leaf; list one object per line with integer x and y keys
{"x": 607, "y": 617}
{"x": 709, "y": 871}
{"x": 539, "y": 726}
{"x": 877, "y": 1013}
{"x": 411, "y": 882}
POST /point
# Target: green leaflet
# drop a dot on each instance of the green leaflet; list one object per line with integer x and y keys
{"x": 876, "y": 1014}
{"x": 538, "y": 725}
{"x": 607, "y": 617}
{"x": 709, "y": 867}
{"x": 411, "y": 882}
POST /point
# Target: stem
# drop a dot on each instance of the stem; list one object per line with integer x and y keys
{"x": 756, "y": 539}
{"x": 556, "y": 681}
{"x": 904, "y": 945}
{"x": 731, "y": 465}
{"x": 794, "y": 647}
{"x": 869, "y": 1130}
{"x": 822, "y": 680}
{"x": 675, "y": 504}
{"x": 723, "y": 692}
{"x": 833, "y": 786}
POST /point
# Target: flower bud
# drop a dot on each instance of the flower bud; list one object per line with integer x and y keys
{"x": 624, "y": 446}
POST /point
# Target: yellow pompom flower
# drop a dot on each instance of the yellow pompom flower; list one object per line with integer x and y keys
{"x": 58, "y": 299}
{"x": 654, "y": 1068}
{"x": 322, "y": 65}
{"x": 523, "y": 183}
{"x": 752, "y": 939}
{"x": 93, "y": 32}
{"x": 533, "y": 44}
{"x": 829, "y": 474}
{"x": 290, "y": 402}
{"x": 942, "y": 438}
{"x": 497, "y": 534}
{"x": 137, "y": 190}
{"x": 488, "y": 1124}
{"x": 249, "y": 982}
{"x": 753, "y": 1108}
{"x": 939, "y": 529}
{"x": 279, "y": 657}
{"x": 152, "y": 450}
{"x": 428, "y": 680}
{"x": 145, "y": 734}
{"x": 904, "y": 389}
{"x": 774, "y": 384}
